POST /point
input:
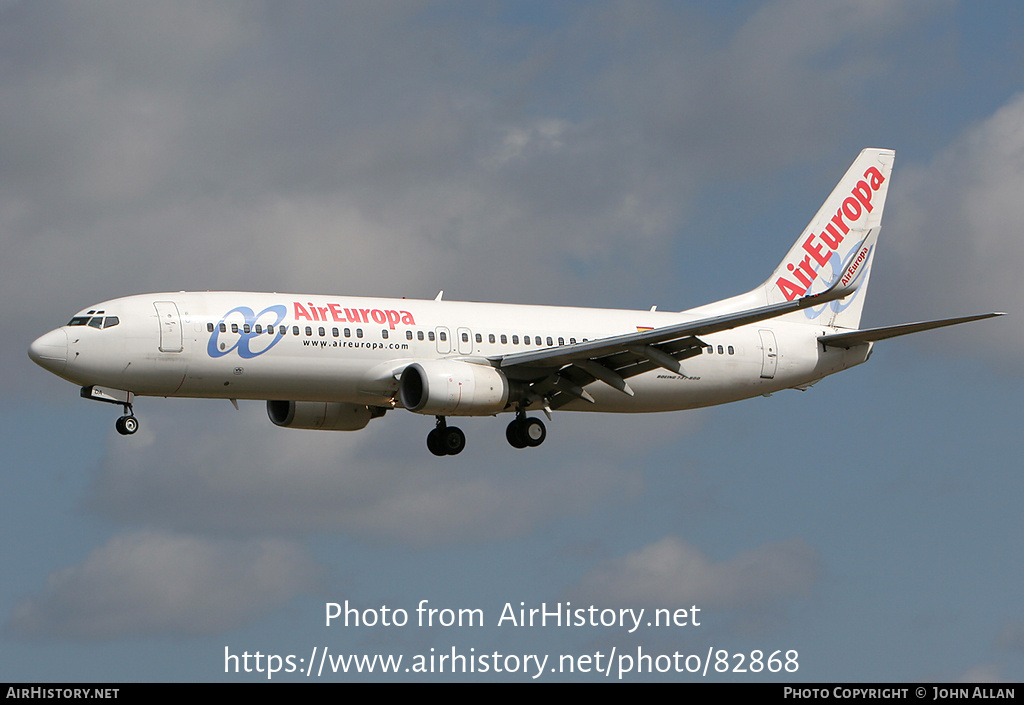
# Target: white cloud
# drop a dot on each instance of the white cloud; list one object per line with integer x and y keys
{"x": 673, "y": 572}
{"x": 955, "y": 227}
{"x": 152, "y": 583}
{"x": 1012, "y": 636}
{"x": 983, "y": 673}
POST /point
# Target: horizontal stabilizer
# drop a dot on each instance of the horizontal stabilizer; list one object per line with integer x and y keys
{"x": 869, "y": 335}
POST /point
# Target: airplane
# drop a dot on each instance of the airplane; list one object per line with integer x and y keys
{"x": 338, "y": 362}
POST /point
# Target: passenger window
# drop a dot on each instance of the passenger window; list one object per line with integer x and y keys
{"x": 334, "y": 332}
{"x": 572, "y": 341}
{"x": 504, "y": 339}
{"x": 209, "y": 327}
{"x": 246, "y": 329}
{"x": 234, "y": 327}
{"x": 295, "y": 330}
{"x": 322, "y": 332}
{"x": 479, "y": 338}
{"x": 720, "y": 350}
{"x": 561, "y": 340}
{"x": 550, "y": 341}
{"x": 490, "y": 338}
{"x": 430, "y": 336}
{"x": 408, "y": 335}
{"x": 359, "y": 332}
{"x": 384, "y": 334}
{"x": 515, "y": 340}
{"x": 731, "y": 351}
{"x": 259, "y": 329}
{"x": 465, "y": 337}
{"x": 348, "y": 332}
{"x": 443, "y": 335}
{"x": 419, "y": 335}
{"x": 526, "y": 340}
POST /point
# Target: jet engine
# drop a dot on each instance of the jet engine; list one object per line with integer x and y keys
{"x": 453, "y": 388}
{"x": 319, "y": 415}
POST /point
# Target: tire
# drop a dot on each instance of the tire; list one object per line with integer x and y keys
{"x": 514, "y": 434}
{"x": 533, "y": 432}
{"x": 127, "y": 425}
{"x": 434, "y": 444}
{"x": 453, "y": 440}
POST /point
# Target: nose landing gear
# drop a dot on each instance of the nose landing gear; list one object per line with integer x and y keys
{"x": 127, "y": 424}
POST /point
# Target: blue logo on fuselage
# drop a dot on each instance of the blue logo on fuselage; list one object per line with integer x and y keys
{"x": 248, "y": 338}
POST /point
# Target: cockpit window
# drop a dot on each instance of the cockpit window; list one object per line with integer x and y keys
{"x": 94, "y": 321}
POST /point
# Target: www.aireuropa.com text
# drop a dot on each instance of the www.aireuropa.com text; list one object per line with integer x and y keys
{"x": 611, "y": 664}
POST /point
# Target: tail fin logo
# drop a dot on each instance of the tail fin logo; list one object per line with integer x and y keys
{"x": 851, "y": 274}
{"x": 816, "y": 256}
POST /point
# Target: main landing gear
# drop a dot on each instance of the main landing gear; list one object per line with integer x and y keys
{"x": 525, "y": 431}
{"x": 445, "y": 439}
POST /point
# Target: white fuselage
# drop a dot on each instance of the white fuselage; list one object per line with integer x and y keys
{"x": 353, "y": 349}
{"x": 336, "y": 363}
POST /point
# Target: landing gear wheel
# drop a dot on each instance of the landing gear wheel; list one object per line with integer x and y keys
{"x": 446, "y": 440}
{"x": 534, "y": 432}
{"x": 434, "y": 442}
{"x": 453, "y": 440}
{"x": 514, "y": 434}
{"x": 525, "y": 432}
{"x": 127, "y": 425}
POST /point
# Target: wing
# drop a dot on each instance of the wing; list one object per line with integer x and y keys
{"x": 557, "y": 376}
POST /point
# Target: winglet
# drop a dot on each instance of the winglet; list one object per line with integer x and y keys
{"x": 848, "y": 280}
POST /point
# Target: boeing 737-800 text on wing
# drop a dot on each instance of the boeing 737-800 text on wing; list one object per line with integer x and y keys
{"x": 333, "y": 362}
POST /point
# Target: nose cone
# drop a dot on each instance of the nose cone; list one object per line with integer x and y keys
{"x": 50, "y": 351}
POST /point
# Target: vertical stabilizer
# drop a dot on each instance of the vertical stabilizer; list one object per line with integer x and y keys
{"x": 843, "y": 233}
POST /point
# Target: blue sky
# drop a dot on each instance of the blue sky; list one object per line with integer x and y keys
{"x": 614, "y": 154}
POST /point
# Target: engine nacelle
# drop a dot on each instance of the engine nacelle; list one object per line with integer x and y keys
{"x": 324, "y": 416}
{"x": 452, "y": 388}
